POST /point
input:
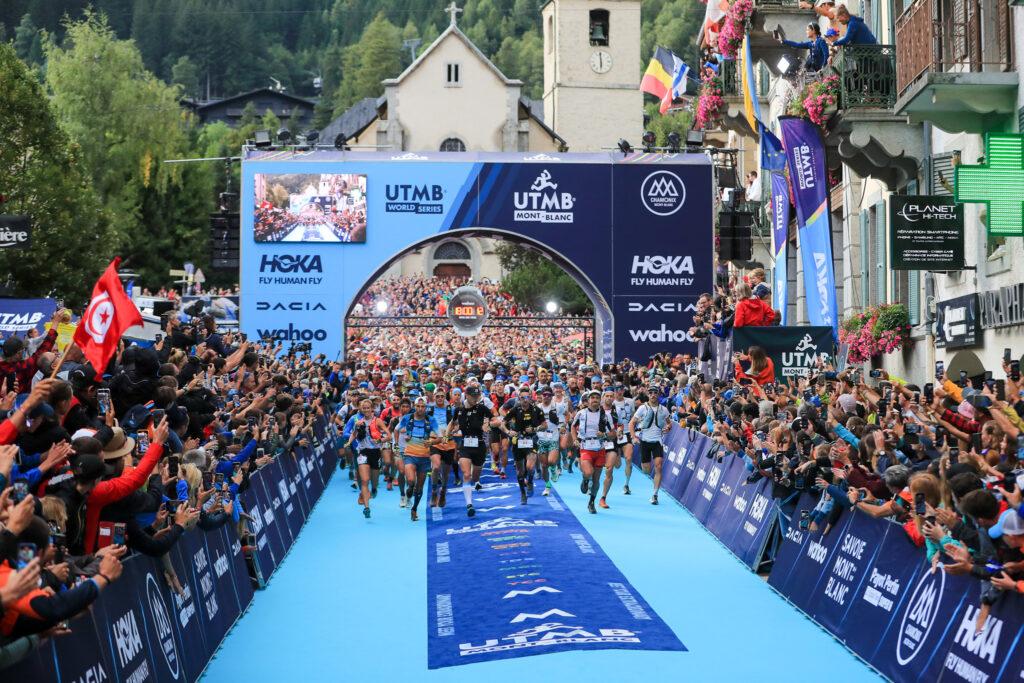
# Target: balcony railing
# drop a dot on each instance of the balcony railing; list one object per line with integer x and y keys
{"x": 953, "y": 35}
{"x": 866, "y": 76}
{"x": 730, "y": 79}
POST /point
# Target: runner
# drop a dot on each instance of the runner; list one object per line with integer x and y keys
{"x": 547, "y": 440}
{"x": 421, "y": 433}
{"x": 590, "y": 427}
{"x": 442, "y": 454}
{"x": 470, "y": 420}
{"x": 624, "y": 409}
{"x": 611, "y": 444}
{"x": 653, "y": 420}
{"x": 564, "y": 407}
{"x": 499, "y": 442}
{"x": 369, "y": 433}
{"x": 522, "y": 423}
{"x": 390, "y": 411}
{"x": 399, "y": 440}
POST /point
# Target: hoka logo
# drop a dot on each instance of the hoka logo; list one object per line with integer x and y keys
{"x": 662, "y": 265}
{"x": 288, "y": 263}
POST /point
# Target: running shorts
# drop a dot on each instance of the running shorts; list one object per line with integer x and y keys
{"x": 477, "y": 455}
{"x": 651, "y": 449}
{"x": 422, "y": 463}
{"x": 521, "y": 453}
{"x": 596, "y": 458}
{"x": 447, "y": 454}
{"x": 496, "y": 436}
{"x": 369, "y": 456}
{"x": 547, "y": 446}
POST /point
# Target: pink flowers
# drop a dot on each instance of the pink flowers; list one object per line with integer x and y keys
{"x": 880, "y": 329}
{"x": 734, "y": 27}
{"x": 710, "y": 103}
{"x": 816, "y": 99}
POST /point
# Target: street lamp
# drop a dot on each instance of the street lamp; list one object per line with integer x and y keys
{"x": 551, "y": 307}
{"x": 382, "y": 306}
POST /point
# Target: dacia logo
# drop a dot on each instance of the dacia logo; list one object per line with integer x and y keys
{"x": 663, "y": 193}
{"x": 661, "y": 307}
{"x": 919, "y": 616}
{"x": 288, "y": 263}
{"x": 290, "y": 306}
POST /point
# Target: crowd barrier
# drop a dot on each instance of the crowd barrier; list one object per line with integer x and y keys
{"x": 141, "y": 630}
{"x": 864, "y": 581}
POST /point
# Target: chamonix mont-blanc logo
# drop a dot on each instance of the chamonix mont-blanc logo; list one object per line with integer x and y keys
{"x": 663, "y": 193}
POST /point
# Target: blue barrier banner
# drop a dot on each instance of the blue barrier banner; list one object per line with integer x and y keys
{"x": 187, "y": 618}
{"x": 262, "y": 525}
{"x": 815, "y": 557}
{"x": 791, "y": 548}
{"x": 847, "y": 569}
{"x": 683, "y": 448}
{"x": 755, "y": 518}
{"x": 520, "y": 580}
{"x": 214, "y": 593}
{"x": 703, "y": 487}
{"x": 123, "y": 613}
{"x": 282, "y": 491}
{"x": 722, "y": 517}
{"x": 296, "y": 486}
{"x": 241, "y": 583}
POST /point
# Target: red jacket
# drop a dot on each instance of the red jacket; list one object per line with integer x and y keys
{"x": 766, "y": 376}
{"x": 113, "y": 490}
{"x": 753, "y": 312}
{"x": 8, "y": 432}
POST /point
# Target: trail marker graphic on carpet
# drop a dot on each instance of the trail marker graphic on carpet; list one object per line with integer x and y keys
{"x": 521, "y": 580}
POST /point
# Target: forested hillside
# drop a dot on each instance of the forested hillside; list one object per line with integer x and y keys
{"x": 223, "y": 47}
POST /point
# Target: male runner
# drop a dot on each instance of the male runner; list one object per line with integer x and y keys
{"x": 624, "y": 409}
{"x": 653, "y": 420}
{"x": 547, "y": 440}
{"x": 610, "y": 444}
{"x": 522, "y": 423}
{"x": 590, "y": 427}
{"x": 564, "y": 408}
{"x": 499, "y": 442}
{"x": 470, "y": 421}
{"x": 398, "y": 446}
{"x": 369, "y": 433}
{"x": 442, "y": 455}
{"x": 421, "y": 433}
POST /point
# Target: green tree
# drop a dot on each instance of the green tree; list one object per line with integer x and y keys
{"x": 377, "y": 55}
{"x": 185, "y": 73}
{"x": 534, "y": 280}
{"x": 42, "y": 177}
{"x": 28, "y": 41}
{"x": 677, "y": 121}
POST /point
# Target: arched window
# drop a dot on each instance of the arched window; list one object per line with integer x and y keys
{"x": 453, "y": 145}
{"x": 452, "y": 251}
{"x": 599, "y": 27}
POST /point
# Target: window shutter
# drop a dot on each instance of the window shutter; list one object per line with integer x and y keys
{"x": 865, "y": 259}
{"x": 880, "y": 234}
{"x": 914, "y": 297}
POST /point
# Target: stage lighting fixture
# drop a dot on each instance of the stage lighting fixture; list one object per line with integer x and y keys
{"x": 649, "y": 139}
{"x": 261, "y": 138}
{"x": 339, "y": 143}
{"x": 673, "y": 142}
{"x": 312, "y": 136}
{"x": 284, "y": 135}
{"x": 695, "y": 138}
{"x": 625, "y": 147}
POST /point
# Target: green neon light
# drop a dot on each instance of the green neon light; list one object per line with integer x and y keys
{"x": 998, "y": 183}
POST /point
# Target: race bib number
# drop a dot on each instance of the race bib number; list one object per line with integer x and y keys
{"x": 470, "y": 442}
{"x": 623, "y": 439}
{"x": 546, "y": 436}
{"x": 525, "y": 442}
{"x": 592, "y": 445}
{"x": 361, "y": 460}
{"x": 609, "y": 445}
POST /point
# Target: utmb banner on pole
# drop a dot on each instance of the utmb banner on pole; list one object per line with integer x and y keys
{"x": 805, "y": 156}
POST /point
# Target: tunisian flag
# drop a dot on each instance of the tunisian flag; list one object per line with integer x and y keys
{"x": 109, "y": 314}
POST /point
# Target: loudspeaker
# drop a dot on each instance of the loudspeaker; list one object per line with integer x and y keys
{"x": 161, "y": 307}
{"x": 734, "y": 230}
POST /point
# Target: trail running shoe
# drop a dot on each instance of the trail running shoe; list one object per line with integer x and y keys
{"x": 626, "y": 491}
{"x": 654, "y": 499}
{"x": 354, "y": 486}
{"x": 547, "y": 491}
{"x": 591, "y": 509}
{"x": 470, "y": 510}
{"x": 479, "y": 486}
{"x": 522, "y": 498}
{"x": 603, "y": 503}
{"x": 584, "y": 485}
{"x": 366, "y": 512}
{"x": 556, "y": 474}
{"x": 413, "y": 516}
{"x": 403, "y": 503}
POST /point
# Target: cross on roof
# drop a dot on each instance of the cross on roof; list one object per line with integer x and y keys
{"x": 999, "y": 183}
{"x": 453, "y": 10}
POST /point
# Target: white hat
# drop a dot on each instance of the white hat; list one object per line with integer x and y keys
{"x": 488, "y": 376}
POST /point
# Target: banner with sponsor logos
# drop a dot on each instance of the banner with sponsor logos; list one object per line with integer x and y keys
{"x": 795, "y": 351}
{"x": 779, "y": 207}
{"x": 958, "y": 322}
{"x": 18, "y": 316}
{"x": 805, "y": 157}
{"x": 140, "y": 629}
{"x": 635, "y": 231}
{"x": 926, "y": 232}
{"x": 540, "y": 583}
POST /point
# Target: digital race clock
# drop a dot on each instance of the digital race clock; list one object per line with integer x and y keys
{"x": 467, "y": 311}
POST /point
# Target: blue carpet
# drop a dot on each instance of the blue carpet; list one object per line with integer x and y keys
{"x": 521, "y": 580}
{"x": 348, "y": 604}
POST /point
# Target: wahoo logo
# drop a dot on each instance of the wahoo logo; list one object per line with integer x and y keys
{"x": 824, "y": 291}
{"x": 162, "y": 623}
{"x": 407, "y": 198}
{"x": 290, "y": 306}
{"x": 288, "y": 263}
{"x": 663, "y": 193}
{"x": 543, "y": 203}
{"x": 127, "y": 640}
{"x": 803, "y": 162}
{"x": 661, "y": 335}
{"x": 919, "y": 616}
{"x": 983, "y": 644}
{"x": 662, "y": 307}
{"x": 292, "y": 333}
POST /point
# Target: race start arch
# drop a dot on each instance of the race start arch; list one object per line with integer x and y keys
{"x": 634, "y": 230}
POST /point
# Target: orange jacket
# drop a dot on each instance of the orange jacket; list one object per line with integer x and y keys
{"x": 113, "y": 490}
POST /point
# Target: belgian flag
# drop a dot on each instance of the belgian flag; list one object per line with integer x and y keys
{"x": 665, "y": 77}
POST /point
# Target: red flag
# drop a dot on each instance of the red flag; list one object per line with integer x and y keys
{"x": 109, "y": 314}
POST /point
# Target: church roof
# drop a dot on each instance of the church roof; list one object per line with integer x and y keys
{"x": 353, "y": 120}
{"x": 453, "y": 29}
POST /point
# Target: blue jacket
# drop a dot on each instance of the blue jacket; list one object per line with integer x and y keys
{"x": 226, "y": 467}
{"x": 857, "y": 33}
{"x": 818, "y": 54}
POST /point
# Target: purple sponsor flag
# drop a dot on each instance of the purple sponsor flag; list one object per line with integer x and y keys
{"x": 779, "y": 207}
{"x": 805, "y": 156}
